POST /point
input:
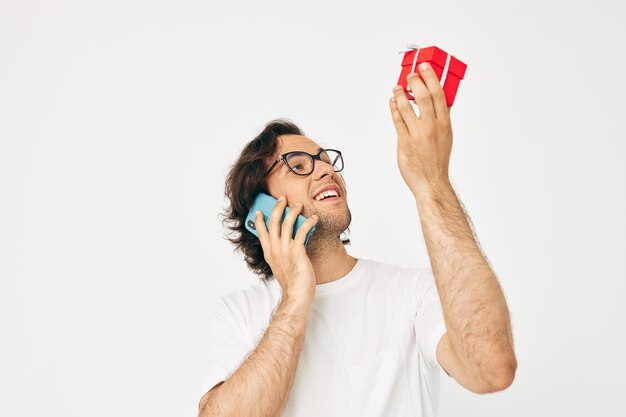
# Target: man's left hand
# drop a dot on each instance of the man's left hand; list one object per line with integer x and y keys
{"x": 424, "y": 142}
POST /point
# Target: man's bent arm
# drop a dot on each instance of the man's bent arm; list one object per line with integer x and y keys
{"x": 261, "y": 385}
{"x": 474, "y": 308}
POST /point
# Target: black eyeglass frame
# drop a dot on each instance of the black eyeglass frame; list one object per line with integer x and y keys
{"x": 283, "y": 158}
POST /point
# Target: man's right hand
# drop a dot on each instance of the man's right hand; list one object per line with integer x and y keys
{"x": 286, "y": 256}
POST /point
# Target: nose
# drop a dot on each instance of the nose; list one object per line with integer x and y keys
{"x": 323, "y": 169}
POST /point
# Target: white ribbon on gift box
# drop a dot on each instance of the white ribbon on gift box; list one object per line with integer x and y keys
{"x": 416, "y": 48}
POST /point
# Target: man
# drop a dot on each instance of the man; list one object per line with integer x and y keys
{"x": 325, "y": 334}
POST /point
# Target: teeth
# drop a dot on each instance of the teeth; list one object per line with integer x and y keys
{"x": 328, "y": 193}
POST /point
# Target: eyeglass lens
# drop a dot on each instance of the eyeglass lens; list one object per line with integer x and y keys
{"x": 302, "y": 163}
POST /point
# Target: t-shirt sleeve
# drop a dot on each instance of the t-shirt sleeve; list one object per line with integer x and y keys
{"x": 228, "y": 347}
{"x": 429, "y": 322}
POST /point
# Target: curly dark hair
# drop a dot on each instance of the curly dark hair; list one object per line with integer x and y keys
{"x": 244, "y": 181}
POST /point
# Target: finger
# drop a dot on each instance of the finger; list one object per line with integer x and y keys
{"x": 398, "y": 121}
{"x": 259, "y": 223}
{"x": 290, "y": 219}
{"x": 405, "y": 108}
{"x": 275, "y": 216}
{"x": 304, "y": 229}
{"x": 423, "y": 99}
{"x": 433, "y": 85}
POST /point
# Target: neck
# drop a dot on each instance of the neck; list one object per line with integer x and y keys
{"x": 330, "y": 260}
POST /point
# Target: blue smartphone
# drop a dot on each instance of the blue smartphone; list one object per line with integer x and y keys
{"x": 266, "y": 203}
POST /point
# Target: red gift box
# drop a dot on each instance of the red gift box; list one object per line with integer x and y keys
{"x": 444, "y": 65}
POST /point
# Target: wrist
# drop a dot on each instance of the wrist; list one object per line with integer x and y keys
{"x": 428, "y": 188}
{"x": 295, "y": 307}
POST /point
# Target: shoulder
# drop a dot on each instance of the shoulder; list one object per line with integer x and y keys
{"x": 386, "y": 270}
{"x": 249, "y": 307}
{"x": 259, "y": 289}
{"x": 397, "y": 278}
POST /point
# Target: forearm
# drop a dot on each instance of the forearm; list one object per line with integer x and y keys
{"x": 474, "y": 308}
{"x": 260, "y": 386}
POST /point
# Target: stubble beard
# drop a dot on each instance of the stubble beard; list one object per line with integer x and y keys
{"x": 326, "y": 238}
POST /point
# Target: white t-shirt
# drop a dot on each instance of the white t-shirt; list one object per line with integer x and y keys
{"x": 369, "y": 348}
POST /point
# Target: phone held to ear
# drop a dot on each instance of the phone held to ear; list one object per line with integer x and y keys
{"x": 265, "y": 203}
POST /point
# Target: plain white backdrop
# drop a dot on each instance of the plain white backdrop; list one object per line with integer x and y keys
{"x": 118, "y": 123}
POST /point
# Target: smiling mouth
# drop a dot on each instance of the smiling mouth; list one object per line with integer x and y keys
{"x": 328, "y": 199}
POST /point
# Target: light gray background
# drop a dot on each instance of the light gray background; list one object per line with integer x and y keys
{"x": 119, "y": 119}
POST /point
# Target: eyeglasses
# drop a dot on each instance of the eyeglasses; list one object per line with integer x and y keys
{"x": 303, "y": 163}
